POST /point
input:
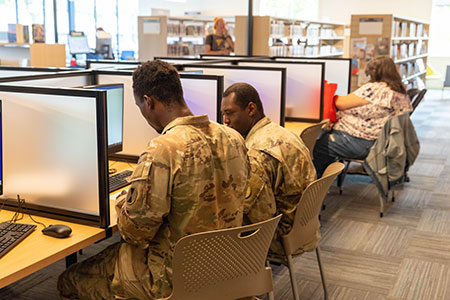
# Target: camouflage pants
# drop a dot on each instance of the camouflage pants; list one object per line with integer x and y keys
{"x": 91, "y": 278}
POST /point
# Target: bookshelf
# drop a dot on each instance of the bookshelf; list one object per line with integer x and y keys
{"x": 289, "y": 37}
{"x": 405, "y": 40}
{"x": 175, "y": 36}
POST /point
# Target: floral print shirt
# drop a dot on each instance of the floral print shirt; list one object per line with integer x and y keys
{"x": 367, "y": 121}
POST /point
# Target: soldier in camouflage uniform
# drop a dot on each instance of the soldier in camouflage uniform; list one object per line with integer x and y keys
{"x": 192, "y": 178}
{"x": 281, "y": 166}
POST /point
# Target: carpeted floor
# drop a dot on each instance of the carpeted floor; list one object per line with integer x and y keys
{"x": 404, "y": 255}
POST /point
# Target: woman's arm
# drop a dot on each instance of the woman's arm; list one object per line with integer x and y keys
{"x": 350, "y": 101}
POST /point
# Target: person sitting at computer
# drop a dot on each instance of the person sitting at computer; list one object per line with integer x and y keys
{"x": 362, "y": 115}
{"x": 281, "y": 166}
{"x": 192, "y": 178}
{"x": 220, "y": 42}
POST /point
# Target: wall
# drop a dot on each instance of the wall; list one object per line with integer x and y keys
{"x": 206, "y": 8}
{"x": 340, "y": 11}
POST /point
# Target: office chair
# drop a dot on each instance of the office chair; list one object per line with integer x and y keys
{"x": 310, "y": 134}
{"x": 447, "y": 80}
{"x": 223, "y": 264}
{"x": 303, "y": 234}
{"x": 417, "y": 99}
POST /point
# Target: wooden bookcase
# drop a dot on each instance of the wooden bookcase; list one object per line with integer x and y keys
{"x": 175, "y": 36}
{"x": 405, "y": 40}
{"x": 288, "y": 37}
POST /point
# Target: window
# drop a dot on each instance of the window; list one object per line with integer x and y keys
{"x": 7, "y": 13}
{"x": 107, "y": 19}
{"x": 85, "y": 19}
{"x": 30, "y": 12}
{"x": 439, "y": 38}
{"x": 128, "y": 32}
{"x": 295, "y": 9}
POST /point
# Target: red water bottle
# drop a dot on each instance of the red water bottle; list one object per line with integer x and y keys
{"x": 73, "y": 61}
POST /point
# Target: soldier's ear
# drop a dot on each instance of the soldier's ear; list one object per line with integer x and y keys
{"x": 149, "y": 101}
{"x": 251, "y": 109}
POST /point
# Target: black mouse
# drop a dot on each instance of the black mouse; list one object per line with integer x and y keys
{"x": 58, "y": 231}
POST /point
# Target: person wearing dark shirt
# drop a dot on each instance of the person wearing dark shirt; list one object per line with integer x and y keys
{"x": 220, "y": 42}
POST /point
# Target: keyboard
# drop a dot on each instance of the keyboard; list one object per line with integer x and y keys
{"x": 119, "y": 180}
{"x": 11, "y": 234}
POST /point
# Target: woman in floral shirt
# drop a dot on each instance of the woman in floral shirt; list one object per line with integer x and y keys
{"x": 362, "y": 114}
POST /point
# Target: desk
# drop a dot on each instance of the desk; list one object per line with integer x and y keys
{"x": 297, "y": 127}
{"x": 38, "y": 250}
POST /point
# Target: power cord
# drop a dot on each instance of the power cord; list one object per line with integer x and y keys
{"x": 21, "y": 207}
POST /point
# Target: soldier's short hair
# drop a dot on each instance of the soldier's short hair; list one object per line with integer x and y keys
{"x": 160, "y": 80}
{"x": 244, "y": 93}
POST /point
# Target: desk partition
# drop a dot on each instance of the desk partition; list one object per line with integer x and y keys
{"x": 61, "y": 79}
{"x": 111, "y": 64}
{"x": 304, "y": 88}
{"x": 6, "y": 71}
{"x": 55, "y": 152}
{"x": 337, "y": 70}
{"x": 270, "y": 82}
{"x": 202, "y": 94}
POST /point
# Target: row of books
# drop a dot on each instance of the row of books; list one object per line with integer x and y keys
{"x": 279, "y": 29}
{"x": 302, "y": 50}
{"x": 410, "y": 68}
{"x": 20, "y": 34}
{"x": 405, "y": 50}
{"x": 409, "y": 29}
{"x": 185, "y": 49}
{"x": 180, "y": 29}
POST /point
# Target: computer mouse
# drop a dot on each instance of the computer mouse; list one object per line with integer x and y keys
{"x": 58, "y": 231}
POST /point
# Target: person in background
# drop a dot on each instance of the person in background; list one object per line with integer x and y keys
{"x": 192, "y": 178}
{"x": 281, "y": 166}
{"x": 362, "y": 115}
{"x": 220, "y": 42}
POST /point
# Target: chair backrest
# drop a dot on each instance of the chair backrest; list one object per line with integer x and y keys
{"x": 306, "y": 220}
{"x": 447, "y": 77}
{"x": 412, "y": 93}
{"x": 224, "y": 264}
{"x": 310, "y": 134}
{"x": 418, "y": 99}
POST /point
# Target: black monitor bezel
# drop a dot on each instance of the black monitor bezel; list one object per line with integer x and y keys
{"x": 103, "y": 219}
{"x": 117, "y": 147}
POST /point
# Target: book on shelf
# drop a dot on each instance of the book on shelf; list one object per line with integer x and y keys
{"x": 412, "y": 29}
{"x": 12, "y": 33}
{"x": 38, "y": 33}
{"x": 420, "y": 65}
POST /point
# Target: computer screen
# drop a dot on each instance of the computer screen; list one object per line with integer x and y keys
{"x": 78, "y": 44}
{"x": 104, "y": 47}
{"x": 114, "y": 114}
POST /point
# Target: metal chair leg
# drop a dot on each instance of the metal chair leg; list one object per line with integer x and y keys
{"x": 271, "y": 294}
{"x": 292, "y": 274}
{"x": 322, "y": 276}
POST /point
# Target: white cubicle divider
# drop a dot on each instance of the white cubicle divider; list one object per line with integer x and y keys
{"x": 6, "y": 71}
{"x": 55, "y": 152}
{"x": 270, "y": 82}
{"x": 337, "y": 70}
{"x": 111, "y": 64}
{"x": 304, "y": 88}
{"x": 61, "y": 79}
{"x": 202, "y": 94}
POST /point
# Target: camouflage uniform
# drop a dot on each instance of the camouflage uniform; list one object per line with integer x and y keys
{"x": 192, "y": 178}
{"x": 281, "y": 169}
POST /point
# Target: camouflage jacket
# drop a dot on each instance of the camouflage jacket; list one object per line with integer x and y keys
{"x": 281, "y": 169}
{"x": 192, "y": 178}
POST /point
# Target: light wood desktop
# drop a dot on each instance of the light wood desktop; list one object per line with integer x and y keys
{"x": 297, "y": 127}
{"x": 37, "y": 250}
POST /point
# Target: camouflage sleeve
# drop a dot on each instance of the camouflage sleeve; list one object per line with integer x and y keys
{"x": 147, "y": 202}
{"x": 259, "y": 202}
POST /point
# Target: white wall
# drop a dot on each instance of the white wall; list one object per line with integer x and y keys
{"x": 341, "y": 11}
{"x": 206, "y": 8}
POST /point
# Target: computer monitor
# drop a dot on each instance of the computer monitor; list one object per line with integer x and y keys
{"x": 78, "y": 44}
{"x": 114, "y": 114}
{"x": 103, "y": 47}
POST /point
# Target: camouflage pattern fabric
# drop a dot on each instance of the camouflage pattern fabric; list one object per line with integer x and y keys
{"x": 281, "y": 169}
{"x": 192, "y": 178}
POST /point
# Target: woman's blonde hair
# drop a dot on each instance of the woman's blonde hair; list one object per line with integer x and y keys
{"x": 383, "y": 69}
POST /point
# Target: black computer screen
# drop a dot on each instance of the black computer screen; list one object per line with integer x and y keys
{"x": 114, "y": 114}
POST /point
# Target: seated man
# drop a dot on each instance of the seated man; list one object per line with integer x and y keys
{"x": 192, "y": 178}
{"x": 281, "y": 167}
